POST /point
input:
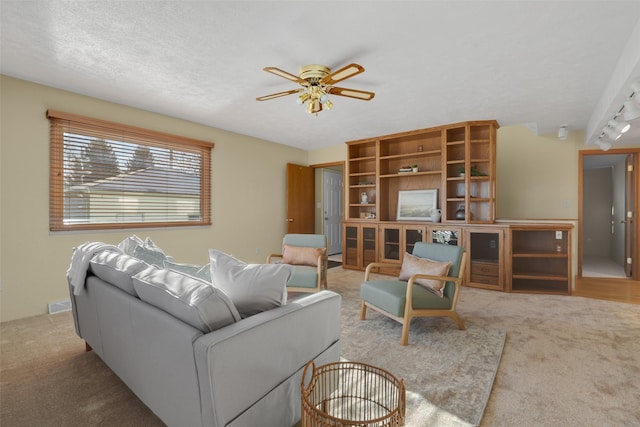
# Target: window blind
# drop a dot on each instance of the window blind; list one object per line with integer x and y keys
{"x": 109, "y": 175}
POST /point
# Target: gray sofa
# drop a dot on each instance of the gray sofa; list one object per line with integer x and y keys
{"x": 193, "y": 372}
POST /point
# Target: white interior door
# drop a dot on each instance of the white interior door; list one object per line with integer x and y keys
{"x": 332, "y": 209}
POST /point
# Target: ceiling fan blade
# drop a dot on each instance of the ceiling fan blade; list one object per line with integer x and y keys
{"x": 342, "y": 74}
{"x": 279, "y": 94}
{"x": 288, "y": 76}
{"x": 352, "y": 93}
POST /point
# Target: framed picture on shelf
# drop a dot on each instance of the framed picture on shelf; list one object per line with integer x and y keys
{"x": 416, "y": 205}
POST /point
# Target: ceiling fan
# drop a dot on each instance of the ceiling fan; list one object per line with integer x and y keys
{"x": 317, "y": 83}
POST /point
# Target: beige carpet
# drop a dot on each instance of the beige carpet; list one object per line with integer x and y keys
{"x": 567, "y": 361}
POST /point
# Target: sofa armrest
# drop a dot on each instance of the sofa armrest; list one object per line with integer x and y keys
{"x": 241, "y": 363}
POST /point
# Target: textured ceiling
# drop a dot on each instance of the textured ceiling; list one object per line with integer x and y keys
{"x": 542, "y": 64}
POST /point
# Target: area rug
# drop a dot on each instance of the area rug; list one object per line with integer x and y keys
{"x": 448, "y": 372}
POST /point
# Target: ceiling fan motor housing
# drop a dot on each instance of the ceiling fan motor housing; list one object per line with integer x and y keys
{"x": 314, "y": 71}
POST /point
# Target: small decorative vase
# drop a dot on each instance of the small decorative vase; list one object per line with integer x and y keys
{"x": 364, "y": 199}
{"x": 435, "y": 215}
{"x": 460, "y": 213}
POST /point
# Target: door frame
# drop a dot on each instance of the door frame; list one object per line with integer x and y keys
{"x": 342, "y": 164}
{"x": 636, "y": 205}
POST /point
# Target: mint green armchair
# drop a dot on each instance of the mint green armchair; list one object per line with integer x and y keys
{"x": 403, "y": 300}
{"x": 308, "y": 254}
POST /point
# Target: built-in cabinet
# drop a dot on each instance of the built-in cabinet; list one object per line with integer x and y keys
{"x": 485, "y": 246}
{"x": 540, "y": 259}
{"x": 459, "y": 161}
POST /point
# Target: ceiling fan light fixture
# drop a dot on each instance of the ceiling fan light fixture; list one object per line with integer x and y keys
{"x": 328, "y": 104}
{"x": 304, "y": 97}
{"x": 620, "y": 127}
{"x": 317, "y": 83}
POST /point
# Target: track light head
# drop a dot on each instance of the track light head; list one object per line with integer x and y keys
{"x": 611, "y": 133}
{"x": 621, "y": 127}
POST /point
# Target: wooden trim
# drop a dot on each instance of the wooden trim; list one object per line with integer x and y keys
{"x": 54, "y": 114}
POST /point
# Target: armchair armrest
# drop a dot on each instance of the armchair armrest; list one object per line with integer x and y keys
{"x": 379, "y": 264}
{"x": 456, "y": 281}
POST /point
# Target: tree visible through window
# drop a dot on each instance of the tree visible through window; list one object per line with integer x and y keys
{"x": 106, "y": 175}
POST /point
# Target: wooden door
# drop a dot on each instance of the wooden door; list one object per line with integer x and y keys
{"x": 300, "y": 199}
{"x": 628, "y": 217}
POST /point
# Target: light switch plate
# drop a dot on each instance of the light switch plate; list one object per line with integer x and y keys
{"x": 558, "y": 235}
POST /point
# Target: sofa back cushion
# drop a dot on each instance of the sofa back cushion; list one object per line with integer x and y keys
{"x": 189, "y": 299}
{"x": 117, "y": 269}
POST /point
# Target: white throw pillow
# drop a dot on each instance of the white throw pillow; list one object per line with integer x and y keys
{"x": 253, "y": 288}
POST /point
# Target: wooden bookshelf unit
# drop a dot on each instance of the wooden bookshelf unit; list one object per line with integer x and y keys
{"x": 459, "y": 161}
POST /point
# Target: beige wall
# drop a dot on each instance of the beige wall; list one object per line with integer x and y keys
{"x": 248, "y": 195}
{"x": 537, "y": 179}
{"x": 537, "y": 175}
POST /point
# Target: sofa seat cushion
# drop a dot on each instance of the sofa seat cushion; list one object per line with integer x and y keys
{"x": 303, "y": 277}
{"x": 390, "y": 295}
{"x": 117, "y": 269}
{"x": 187, "y": 298}
{"x": 253, "y": 288}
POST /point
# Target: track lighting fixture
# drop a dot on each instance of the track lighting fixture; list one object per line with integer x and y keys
{"x": 612, "y": 133}
{"x": 631, "y": 109}
{"x": 615, "y": 127}
{"x": 621, "y": 127}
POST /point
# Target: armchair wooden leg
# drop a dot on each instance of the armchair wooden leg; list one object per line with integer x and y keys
{"x": 458, "y": 321}
{"x": 405, "y": 332}
{"x": 363, "y": 310}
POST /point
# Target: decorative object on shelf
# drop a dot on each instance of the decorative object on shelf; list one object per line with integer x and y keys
{"x": 414, "y": 168}
{"x": 317, "y": 83}
{"x": 460, "y": 213}
{"x": 420, "y": 148}
{"x": 364, "y": 199}
{"x": 435, "y": 215}
{"x": 416, "y": 205}
{"x": 405, "y": 169}
{"x": 474, "y": 171}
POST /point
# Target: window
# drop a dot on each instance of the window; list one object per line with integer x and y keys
{"x": 108, "y": 175}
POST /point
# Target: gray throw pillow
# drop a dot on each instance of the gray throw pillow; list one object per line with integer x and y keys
{"x": 189, "y": 299}
{"x": 253, "y": 288}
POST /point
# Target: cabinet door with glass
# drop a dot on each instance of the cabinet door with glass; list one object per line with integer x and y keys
{"x": 411, "y": 235}
{"x": 445, "y": 235}
{"x": 485, "y": 267}
{"x": 391, "y": 243}
{"x": 360, "y": 247}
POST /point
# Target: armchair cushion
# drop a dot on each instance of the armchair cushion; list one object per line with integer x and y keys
{"x": 303, "y": 276}
{"x": 414, "y": 265}
{"x": 391, "y": 296}
{"x": 300, "y": 255}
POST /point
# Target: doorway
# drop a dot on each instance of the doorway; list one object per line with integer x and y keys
{"x": 608, "y": 242}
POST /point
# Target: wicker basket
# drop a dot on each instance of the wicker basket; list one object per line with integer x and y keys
{"x": 352, "y": 394}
